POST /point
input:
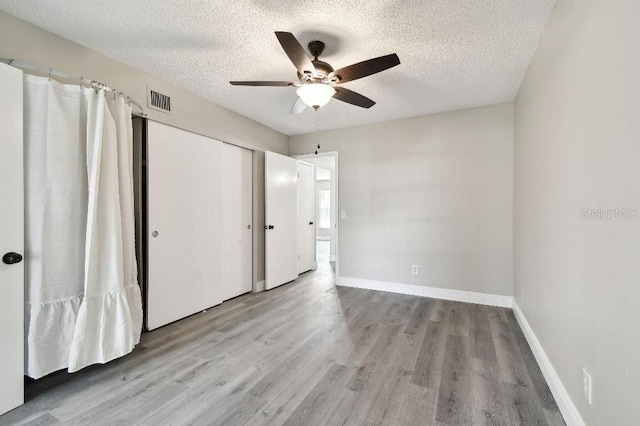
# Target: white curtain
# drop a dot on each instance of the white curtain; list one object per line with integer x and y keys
{"x": 83, "y": 302}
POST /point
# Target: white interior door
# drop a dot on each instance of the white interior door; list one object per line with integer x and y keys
{"x": 237, "y": 210}
{"x": 281, "y": 252}
{"x": 306, "y": 214}
{"x": 11, "y": 240}
{"x": 184, "y": 216}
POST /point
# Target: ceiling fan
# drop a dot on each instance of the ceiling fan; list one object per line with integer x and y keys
{"x": 318, "y": 81}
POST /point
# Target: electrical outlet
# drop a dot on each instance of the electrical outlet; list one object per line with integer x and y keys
{"x": 587, "y": 386}
{"x": 415, "y": 269}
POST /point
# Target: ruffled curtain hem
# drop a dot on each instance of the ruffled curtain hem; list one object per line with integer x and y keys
{"x": 100, "y": 339}
{"x": 49, "y": 333}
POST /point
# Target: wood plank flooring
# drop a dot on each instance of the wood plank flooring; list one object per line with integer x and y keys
{"x": 310, "y": 353}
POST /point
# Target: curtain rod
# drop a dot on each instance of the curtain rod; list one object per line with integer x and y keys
{"x": 91, "y": 83}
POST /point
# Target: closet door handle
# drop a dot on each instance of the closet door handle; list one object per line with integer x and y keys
{"x": 310, "y": 223}
{"x": 11, "y": 258}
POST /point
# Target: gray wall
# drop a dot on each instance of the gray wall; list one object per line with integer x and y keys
{"x": 434, "y": 191}
{"x": 28, "y": 43}
{"x": 577, "y": 145}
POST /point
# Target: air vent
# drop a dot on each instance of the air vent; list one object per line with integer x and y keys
{"x": 158, "y": 101}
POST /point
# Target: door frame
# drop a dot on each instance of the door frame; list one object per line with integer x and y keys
{"x": 335, "y": 155}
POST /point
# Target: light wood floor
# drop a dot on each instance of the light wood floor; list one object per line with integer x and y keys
{"x": 310, "y": 353}
{"x": 323, "y": 251}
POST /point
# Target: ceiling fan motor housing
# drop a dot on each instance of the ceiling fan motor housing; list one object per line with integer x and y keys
{"x": 316, "y": 47}
{"x": 322, "y": 69}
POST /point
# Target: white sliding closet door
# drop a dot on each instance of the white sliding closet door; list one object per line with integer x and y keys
{"x": 237, "y": 211}
{"x": 306, "y": 214}
{"x": 281, "y": 252}
{"x": 184, "y": 209}
{"x": 11, "y": 240}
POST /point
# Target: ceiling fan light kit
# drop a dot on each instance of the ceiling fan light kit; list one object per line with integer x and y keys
{"x": 318, "y": 81}
{"x": 316, "y": 95}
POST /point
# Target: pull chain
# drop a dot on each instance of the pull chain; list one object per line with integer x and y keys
{"x": 317, "y": 130}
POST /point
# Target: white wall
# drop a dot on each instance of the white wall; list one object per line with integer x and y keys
{"x": 25, "y": 42}
{"x": 577, "y": 145}
{"x": 322, "y": 233}
{"x": 322, "y": 173}
{"x": 433, "y": 191}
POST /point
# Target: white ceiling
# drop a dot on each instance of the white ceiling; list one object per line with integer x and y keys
{"x": 454, "y": 54}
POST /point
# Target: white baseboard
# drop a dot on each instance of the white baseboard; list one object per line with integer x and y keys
{"x": 567, "y": 408}
{"x": 433, "y": 292}
{"x": 259, "y": 287}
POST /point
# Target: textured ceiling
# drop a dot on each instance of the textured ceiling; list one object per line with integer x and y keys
{"x": 455, "y": 54}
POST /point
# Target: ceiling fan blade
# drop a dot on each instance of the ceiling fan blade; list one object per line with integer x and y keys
{"x": 365, "y": 68}
{"x": 295, "y": 52}
{"x": 263, "y": 83}
{"x": 298, "y": 106}
{"x": 351, "y": 97}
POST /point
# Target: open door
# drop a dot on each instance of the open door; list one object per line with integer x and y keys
{"x": 306, "y": 216}
{"x": 12, "y": 240}
{"x": 281, "y": 198}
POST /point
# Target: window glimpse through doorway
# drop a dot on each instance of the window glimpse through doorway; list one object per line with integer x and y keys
{"x": 324, "y": 220}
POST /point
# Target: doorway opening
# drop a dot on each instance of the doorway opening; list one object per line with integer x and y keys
{"x": 326, "y": 206}
{"x": 323, "y": 214}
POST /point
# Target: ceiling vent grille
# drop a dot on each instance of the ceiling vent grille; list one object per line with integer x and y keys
{"x": 158, "y": 101}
